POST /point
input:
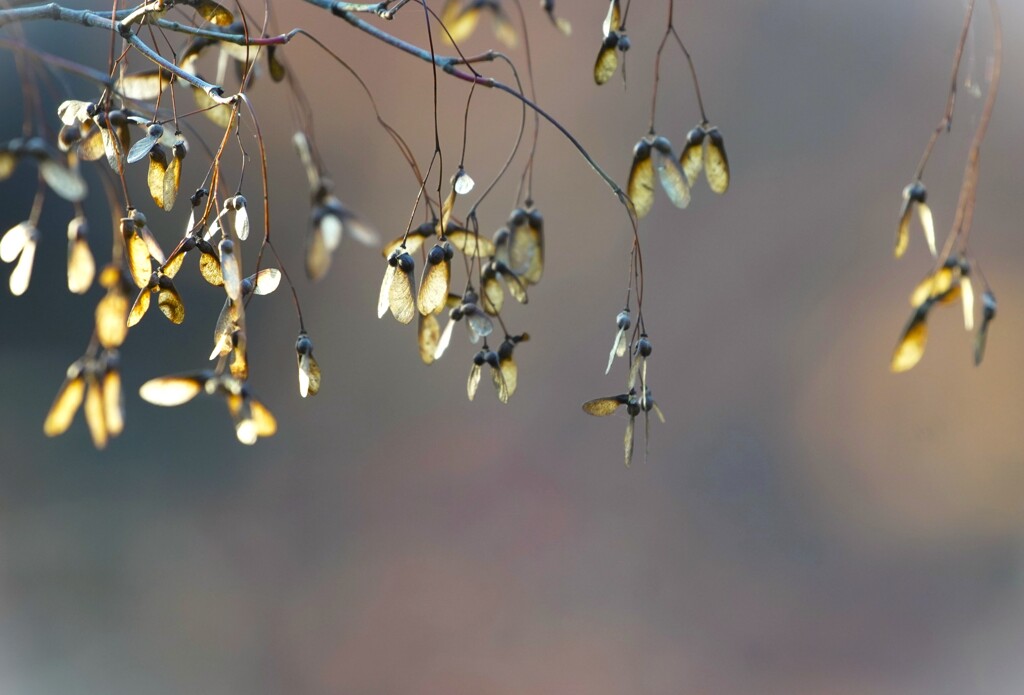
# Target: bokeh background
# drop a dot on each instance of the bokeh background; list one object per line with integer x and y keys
{"x": 807, "y": 522}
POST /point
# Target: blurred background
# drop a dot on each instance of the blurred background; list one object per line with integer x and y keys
{"x": 806, "y": 522}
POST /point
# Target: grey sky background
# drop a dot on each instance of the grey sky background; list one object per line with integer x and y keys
{"x": 806, "y": 521}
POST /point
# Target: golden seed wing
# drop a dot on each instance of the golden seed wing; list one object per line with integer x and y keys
{"x": 220, "y": 114}
{"x": 911, "y": 346}
{"x": 172, "y": 183}
{"x": 94, "y": 414}
{"x": 172, "y": 390}
{"x": 612, "y": 20}
{"x": 143, "y": 86}
{"x": 318, "y": 258}
{"x": 157, "y": 174}
{"x": 112, "y": 320}
{"x": 81, "y": 266}
{"x": 8, "y": 162}
{"x": 510, "y": 373}
{"x": 65, "y": 405}
{"x": 641, "y": 184}
{"x": 461, "y": 22}
{"x": 169, "y": 302}
{"x": 602, "y": 406}
{"x": 65, "y": 181}
{"x": 140, "y": 307}
{"x": 428, "y": 337}
{"x": 628, "y": 440}
{"x": 266, "y": 424}
{"x": 470, "y": 244}
{"x": 903, "y": 229}
{"x": 493, "y": 294}
{"x": 924, "y": 213}
{"x": 401, "y": 296}
{"x": 606, "y": 63}
{"x": 113, "y": 403}
{"x": 309, "y": 376}
{"x": 716, "y": 163}
{"x": 384, "y": 298}
{"x": 434, "y": 287}
{"x": 692, "y": 160}
{"x": 474, "y": 381}
{"x": 211, "y": 11}
{"x": 210, "y": 269}
{"x": 498, "y": 379}
{"x": 526, "y": 253}
{"x": 265, "y": 281}
{"x": 138, "y": 256}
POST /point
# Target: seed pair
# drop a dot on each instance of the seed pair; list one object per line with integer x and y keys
{"x": 943, "y": 286}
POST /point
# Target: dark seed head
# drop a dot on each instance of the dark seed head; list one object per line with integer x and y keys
{"x": 916, "y": 192}
{"x": 517, "y": 217}
{"x": 642, "y": 150}
{"x": 406, "y": 263}
{"x": 480, "y": 358}
{"x": 662, "y": 144}
{"x": 492, "y": 358}
{"x": 644, "y": 347}
{"x": 227, "y": 246}
{"x": 988, "y": 302}
{"x": 436, "y": 255}
{"x": 695, "y": 136}
{"x": 624, "y": 43}
{"x": 304, "y": 346}
{"x": 155, "y": 130}
{"x": 623, "y": 321}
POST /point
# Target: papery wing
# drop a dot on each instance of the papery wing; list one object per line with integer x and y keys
{"x": 911, "y": 345}
{"x": 641, "y": 180}
{"x": 602, "y": 407}
{"x": 716, "y": 163}
{"x": 66, "y": 404}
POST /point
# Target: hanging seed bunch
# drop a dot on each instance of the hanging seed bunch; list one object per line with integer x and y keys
{"x": 955, "y": 276}
{"x": 173, "y": 116}
{"x": 133, "y": 127}
{"x": 512, "y": 260}
{"x": 654, "y": 158}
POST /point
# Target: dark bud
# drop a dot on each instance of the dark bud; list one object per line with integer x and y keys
{"x": 695, "y": 136}
{"x": 517, "y": 217}
{"x": 988, "y": 304}
{"x": 406, "y": 263}
{"x": 436, "y": 255}
{"x": 916, "y": 192}
{"x": 623, "y": 320}
{"x": 662, "y": 144}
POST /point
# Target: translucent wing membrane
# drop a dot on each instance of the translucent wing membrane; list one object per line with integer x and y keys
{"x": 716, "y": 163}
{"x": 602, "y": 407}
{"x": 173, "y": 390}
{"x": 910, "y": 347}
{"x": 641, "y": 179}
